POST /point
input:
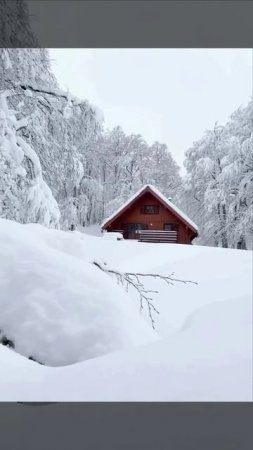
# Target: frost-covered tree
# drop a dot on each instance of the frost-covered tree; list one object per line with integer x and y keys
{"x": 127, "y": 163}
{"x": 89, "y": 173}
{"x": 24, "y": 195}
{"x": 237, "y": 185}
{"x": 79, "y": 197}
{"x": 203, "y": 165}
{"x": 120, "y": 157}
{"x": 61, "y": 128}
{"x": 163, "y": 170}
{"x": 219, "y": 182}
{"x": 239, "y": 173}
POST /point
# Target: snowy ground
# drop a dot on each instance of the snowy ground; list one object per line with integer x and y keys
{"x": 61, "y": 310}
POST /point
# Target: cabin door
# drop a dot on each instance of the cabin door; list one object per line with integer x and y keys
{"x": 130, "y": 230}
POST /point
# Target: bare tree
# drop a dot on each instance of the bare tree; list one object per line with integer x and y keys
{"x": 133, "y": 279}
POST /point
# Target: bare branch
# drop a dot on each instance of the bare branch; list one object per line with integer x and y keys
{"x": 133, "y": 279}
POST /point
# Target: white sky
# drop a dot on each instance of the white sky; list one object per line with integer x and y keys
{"x": 168, "y": 95}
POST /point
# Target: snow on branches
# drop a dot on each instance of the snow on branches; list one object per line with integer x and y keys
{"x": 219, "y": 182}
{"x": 24, "y": 195}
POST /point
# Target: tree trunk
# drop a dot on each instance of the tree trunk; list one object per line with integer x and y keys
{"x": 241, "y": 244}
{"x": 222, "y": 215}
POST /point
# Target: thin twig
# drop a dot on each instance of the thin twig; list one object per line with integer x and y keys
{"x": 133, "y": 279}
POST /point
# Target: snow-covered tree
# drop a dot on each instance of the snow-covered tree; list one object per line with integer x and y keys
{"x": 163, "y": 170}
{"x": 219, "y": 182}
{"x": 24, "y": 195}
{"x": 61, "y": 128}
{"x": 127, "y": 163}
{"x": 53, "y": 144}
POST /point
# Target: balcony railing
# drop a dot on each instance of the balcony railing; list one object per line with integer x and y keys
{"x": 157, "y": 236}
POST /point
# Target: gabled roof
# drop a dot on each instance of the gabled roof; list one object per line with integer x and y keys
{"x": 167, "y": 203}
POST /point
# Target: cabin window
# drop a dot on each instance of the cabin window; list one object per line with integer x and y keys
{"x": 150, "y": 209}
{"x": 132, "y": 227}
{"x": 170, "y": 227}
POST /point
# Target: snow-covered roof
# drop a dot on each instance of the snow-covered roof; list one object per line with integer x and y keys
{"x": 161, "y": 197}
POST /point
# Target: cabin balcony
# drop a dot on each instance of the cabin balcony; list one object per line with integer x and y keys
{"x": 160, "y": 236}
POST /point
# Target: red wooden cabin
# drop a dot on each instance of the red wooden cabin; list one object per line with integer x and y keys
{"x": 150, "y": 216}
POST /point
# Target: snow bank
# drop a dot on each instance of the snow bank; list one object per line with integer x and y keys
{"x": 56, "y": 307}
{"x": 210, "y": 359}
{"x": 113, "y": 236}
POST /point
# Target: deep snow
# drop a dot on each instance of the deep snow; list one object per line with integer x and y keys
{"x": 57, "y": 306}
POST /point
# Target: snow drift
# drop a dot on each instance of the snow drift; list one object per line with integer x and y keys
{"x": 61, "y": 310}
{"x": 205, "y": 361}
{"x": 56, "y": 308}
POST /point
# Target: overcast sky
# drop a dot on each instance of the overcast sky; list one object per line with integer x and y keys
{"x": 168, "y": 95}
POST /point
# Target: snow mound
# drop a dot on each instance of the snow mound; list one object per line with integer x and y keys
{"x": 113, "y": 236}
{"x": 57, "y": 307}
{"x": 210, "y": 359}
{"x": 217, "y": 334}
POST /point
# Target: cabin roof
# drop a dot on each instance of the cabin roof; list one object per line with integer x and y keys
{"x": 167, "y": 203}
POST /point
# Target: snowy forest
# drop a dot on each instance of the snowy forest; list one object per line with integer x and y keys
{"x": 61, "y": 168}
{"x": 91, "y": 316}
{"x": 78, "y": 173}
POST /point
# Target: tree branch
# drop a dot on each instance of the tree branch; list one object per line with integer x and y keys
{"x": 127, "y": 279}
